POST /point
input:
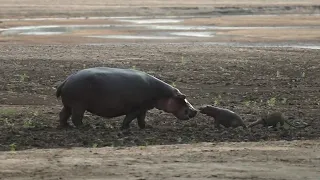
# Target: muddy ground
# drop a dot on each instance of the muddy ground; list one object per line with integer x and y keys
{"x": 248, "y": 80}
{"x": 242, "y": 79}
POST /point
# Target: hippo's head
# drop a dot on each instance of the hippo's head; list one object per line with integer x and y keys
{"x": 206, "y": 109}
{"x": 209, "y": 110}
{"x": 178, "y": 105}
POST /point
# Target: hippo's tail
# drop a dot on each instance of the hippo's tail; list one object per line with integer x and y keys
{"x": 59, "y": 87}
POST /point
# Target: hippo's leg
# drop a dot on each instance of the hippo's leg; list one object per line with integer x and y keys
{"x": 217, "y": 124}
{"x": 274, "y": 125}
{"x": 234, "y": 124}
{"x": 141, "y": 119}
{"x": 64, "y": 115}
{"x": 281, "y": 123}
{"x": 129, "y": 118}
{"x": 244, "y": 126}
{"x": 77, "y": 115}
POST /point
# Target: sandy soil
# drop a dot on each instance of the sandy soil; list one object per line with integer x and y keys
{"x": 248, "y": 80}
{"x": 293, "y": 160}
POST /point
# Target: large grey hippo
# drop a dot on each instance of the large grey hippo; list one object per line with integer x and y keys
{"x": 111, "y": 92}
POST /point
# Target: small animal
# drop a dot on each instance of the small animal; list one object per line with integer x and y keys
{"x": 272, "y": 120}
{"x": 112, "y": 92}
{"x": 222, "y": 116}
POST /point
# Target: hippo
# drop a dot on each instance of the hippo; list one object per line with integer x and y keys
{"x": 111, "y": 92}
{"x": 222, "y": 116}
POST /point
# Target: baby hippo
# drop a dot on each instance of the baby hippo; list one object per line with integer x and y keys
{"x": 222, "y": 116}
{"x": 273, "y": 119}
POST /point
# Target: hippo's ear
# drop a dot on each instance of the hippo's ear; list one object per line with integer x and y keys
{"x": 178, "y": 94}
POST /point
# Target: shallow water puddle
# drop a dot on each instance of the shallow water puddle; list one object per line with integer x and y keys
{"x": 60, "y": 29}
{"x": 148, "y": 28}
{"x": 185, "y": 27}
{"x": 151, "y": 21}
{"x": 133, "y": 24}
{"x": 46, "y": 30}
{"x": 193, "y": 34}
{"x": 41, "y": 33}
{"x": 56, "y": 30}
{"x": 133, "y": 37}
{"x": 306, "y": 47}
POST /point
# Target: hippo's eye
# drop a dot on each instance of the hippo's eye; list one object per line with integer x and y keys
{"x": 186, "y": 111}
